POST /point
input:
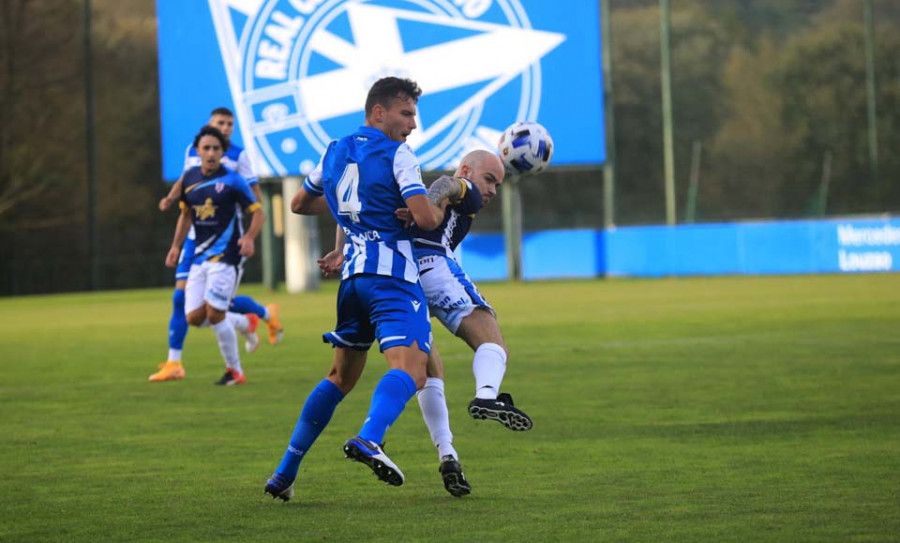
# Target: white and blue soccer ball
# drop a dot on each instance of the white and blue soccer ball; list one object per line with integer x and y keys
{"x": 526, "y": 148}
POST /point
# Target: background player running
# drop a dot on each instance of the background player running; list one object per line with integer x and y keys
{"x": 211, "y": 197}
{"x": 236, "y": 159}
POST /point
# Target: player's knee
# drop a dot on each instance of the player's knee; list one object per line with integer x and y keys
{"x": 196, "y": 316}
{"x": 344, "y": 385}
{"x": 416, "y": 370}
{"x": 418, "y": 375}
{"x": 196, "y": 319}
{"x": 346, "y": 368}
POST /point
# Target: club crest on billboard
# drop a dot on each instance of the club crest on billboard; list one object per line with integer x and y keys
{"x": 298, "y": 72}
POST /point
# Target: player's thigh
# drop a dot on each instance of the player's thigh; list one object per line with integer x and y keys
{"x": 480, "y": 327}
{"x": 221, "y": 284}
{"x": 435, "y": 363}
{"x": 194, "y": 289}
{"x": 451, "y": 294}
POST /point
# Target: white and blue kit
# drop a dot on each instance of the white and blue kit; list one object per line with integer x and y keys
{"x": 451, "y": 294}
{"x": 365, "y": 177}
{"x": 235, "y": 159}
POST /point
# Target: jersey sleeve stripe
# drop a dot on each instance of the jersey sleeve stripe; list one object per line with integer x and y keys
{"x": 465, "y": 189}
{"x": 412, "y": 190}
{"x": 312, "y": 189}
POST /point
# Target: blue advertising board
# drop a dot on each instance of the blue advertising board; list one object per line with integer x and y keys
{"x": 296, "y": 73}
{"x": 755, "y": 248}
{"x": 854, "y": 245}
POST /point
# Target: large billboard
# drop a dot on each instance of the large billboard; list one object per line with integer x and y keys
{"x": 296, "y": 73}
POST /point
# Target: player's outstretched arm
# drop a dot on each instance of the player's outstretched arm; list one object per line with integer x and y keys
{"x": 445, "y": 188}
{"x": 256, "y": 192}
{"x": 304, "y": 203}
{"x": 331, "y": 263}
{"x": 181, "y": 230}
{"x": 174, "y": 193}
{"x": 426, "y": 213}
{"x": 247, "y": 242}
{"x": 443, "y": 191}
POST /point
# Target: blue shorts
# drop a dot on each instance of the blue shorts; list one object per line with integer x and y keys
{"x": 374, "y": 306}
{"x": 186, "y": 259}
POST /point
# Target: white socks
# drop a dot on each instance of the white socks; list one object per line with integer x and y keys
{"x": 240, "y": 322}
{"x": 227, "y": 338}
{"x": 434, "y": 410}
{"x": 489, "y": 365}
{"x": 174, "y": 355}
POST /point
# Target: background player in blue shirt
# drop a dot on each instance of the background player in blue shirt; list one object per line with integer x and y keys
{"x": 365, "y": 178}
{"x": 211, "y": 199}
{"x": 235, "y": 159}
{"x": 455, "y": 300}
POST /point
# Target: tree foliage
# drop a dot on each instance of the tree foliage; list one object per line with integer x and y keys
{"x": 43, "y": 151}
{"x": 40, "y": 114}
{"x": 768, "y": 88}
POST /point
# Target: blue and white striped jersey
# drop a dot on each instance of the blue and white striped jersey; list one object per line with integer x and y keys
{"x": 365, "y": 177}
{"x": 235, "y": 159}
{"x": 458, "y": 217}
{"x": 215, "y": 201}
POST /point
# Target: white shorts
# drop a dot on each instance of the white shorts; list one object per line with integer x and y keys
{"x": 211, "y": 282}
{"x": 451, "y": 295}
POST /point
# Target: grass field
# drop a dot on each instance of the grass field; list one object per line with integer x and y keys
{"x": 714, "y": 409}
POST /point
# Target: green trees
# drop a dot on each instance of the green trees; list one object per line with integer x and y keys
{"x": 769, "y": 89}
{"x": 772, "y": 90}
{"x": 40, "y": 117}
{"x": 43, "y": 153}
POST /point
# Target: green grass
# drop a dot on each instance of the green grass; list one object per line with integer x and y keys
{"x": 714, "y": 409}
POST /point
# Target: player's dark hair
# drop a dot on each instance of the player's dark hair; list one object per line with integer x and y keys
{"x": 388, "y": 89}
{"x": 222, "y": 111}
{"x": 211, "y": 131}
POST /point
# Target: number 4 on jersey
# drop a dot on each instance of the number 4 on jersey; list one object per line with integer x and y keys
{"x": 348, "y": 193}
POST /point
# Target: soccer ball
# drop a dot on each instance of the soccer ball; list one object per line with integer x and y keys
{"x": 526, "y": 148}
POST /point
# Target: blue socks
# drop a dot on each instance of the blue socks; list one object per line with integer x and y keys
{"x": 178, "y": 325}
{"x": 245, "y": 305}
{"x": 388, "y": 401}
{"x": 317, "y": 411}
{"x": 390, "y": 398}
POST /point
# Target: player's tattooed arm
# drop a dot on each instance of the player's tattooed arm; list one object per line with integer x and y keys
{"x": 447, "y": 187}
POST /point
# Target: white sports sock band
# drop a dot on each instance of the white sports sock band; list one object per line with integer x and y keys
{"x": 488, "y": 366}
{"x": 433, "y": 405}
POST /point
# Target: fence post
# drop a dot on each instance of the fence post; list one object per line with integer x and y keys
{"x": 512, "y": 227}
